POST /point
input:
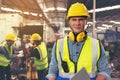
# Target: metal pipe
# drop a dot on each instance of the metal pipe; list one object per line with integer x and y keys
{"x": 94, "y": 19}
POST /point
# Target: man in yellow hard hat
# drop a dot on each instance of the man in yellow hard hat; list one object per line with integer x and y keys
{"x": 40, "y": 55}
{"x": 6, "y": 52}
{"x": 78, "y": 50}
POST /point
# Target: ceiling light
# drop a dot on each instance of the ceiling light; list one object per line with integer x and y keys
{"x": 105, "y": 8}
{"x": 9, "y": 9}
{"x": 103, "y": 28}
{"x": 48, "y": 9}
{"x": 40, "y": 15}
{"x": 52, "y": 9}
{"x": 104, "y": 25}
{"x": 26, "y": 13}
{"x": 115, "y": 22}
{"x": 61, "y": 9}
{"x": 34, "y": 14}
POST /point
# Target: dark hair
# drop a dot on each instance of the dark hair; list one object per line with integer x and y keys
{"x": 78, "y": 16}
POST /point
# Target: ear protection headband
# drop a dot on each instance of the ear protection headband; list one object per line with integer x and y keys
{"x": 79, "y": 37}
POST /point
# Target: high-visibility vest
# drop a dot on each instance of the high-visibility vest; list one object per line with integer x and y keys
{"x": 41, "y": 63}
{"x": 3, "y": 60}
{"x": 88, "y": 57}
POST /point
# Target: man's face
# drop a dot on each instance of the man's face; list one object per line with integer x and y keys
{"x": 33, "y": 43}
{"x": 77, "y": 24}
{"x": 10, "y": 42}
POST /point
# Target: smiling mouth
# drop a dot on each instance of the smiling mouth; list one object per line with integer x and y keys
{"x": 78, "y": 28}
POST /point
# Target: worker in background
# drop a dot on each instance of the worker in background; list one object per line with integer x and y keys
{"x": 40, "y": 55}
{"x": 31, "y": 69}
{"x": 78, "y": 50}
{"x": 6, "y": 56}
{"x": 25, "y": 61}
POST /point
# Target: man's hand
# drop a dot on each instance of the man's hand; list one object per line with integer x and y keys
{"x": 51, "y": 79}
{"x": 20, "y": 54}
{"x": 100, "y": 77}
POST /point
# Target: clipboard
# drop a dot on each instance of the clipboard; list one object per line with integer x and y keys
{"x": 81, "y": 75}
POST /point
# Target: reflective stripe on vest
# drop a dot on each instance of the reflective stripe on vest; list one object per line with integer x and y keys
{"x": 4, "y": 61}
{"x": 88, "y": 57}
{"x": 42, "y": 63}
{"x": 10, "y": 51}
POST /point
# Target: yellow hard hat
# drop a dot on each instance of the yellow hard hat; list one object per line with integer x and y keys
{"x": 35, "y": 36}
{"x": 10, "y": 36}
{"x": 77, "y": 9}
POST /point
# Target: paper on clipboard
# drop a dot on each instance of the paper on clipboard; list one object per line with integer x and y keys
{"x": 81, "y": 75}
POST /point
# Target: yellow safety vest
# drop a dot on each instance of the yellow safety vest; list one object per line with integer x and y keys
{"x": 42, "y": 63}
{"x": 3, "y": 60}
{"x": 88, "y": 57}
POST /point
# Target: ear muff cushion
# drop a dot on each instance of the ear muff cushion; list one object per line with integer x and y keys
{"x": 71, "y": 36}
{"x": 80, "y": 36}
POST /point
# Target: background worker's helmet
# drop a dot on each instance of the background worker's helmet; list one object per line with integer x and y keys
{"x": 77, "y": 9}
{"x": 10, "y": 36}
{"x": 35, "y": 36}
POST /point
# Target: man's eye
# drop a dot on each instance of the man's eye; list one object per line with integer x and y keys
{"x": 81, "y": 19}
{"x": 74, "y": 19}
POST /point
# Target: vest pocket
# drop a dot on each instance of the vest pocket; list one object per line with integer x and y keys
{"x": 65, "y": 66}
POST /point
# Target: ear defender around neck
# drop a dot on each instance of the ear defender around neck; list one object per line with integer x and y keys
{"x": 79, "y": 37}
